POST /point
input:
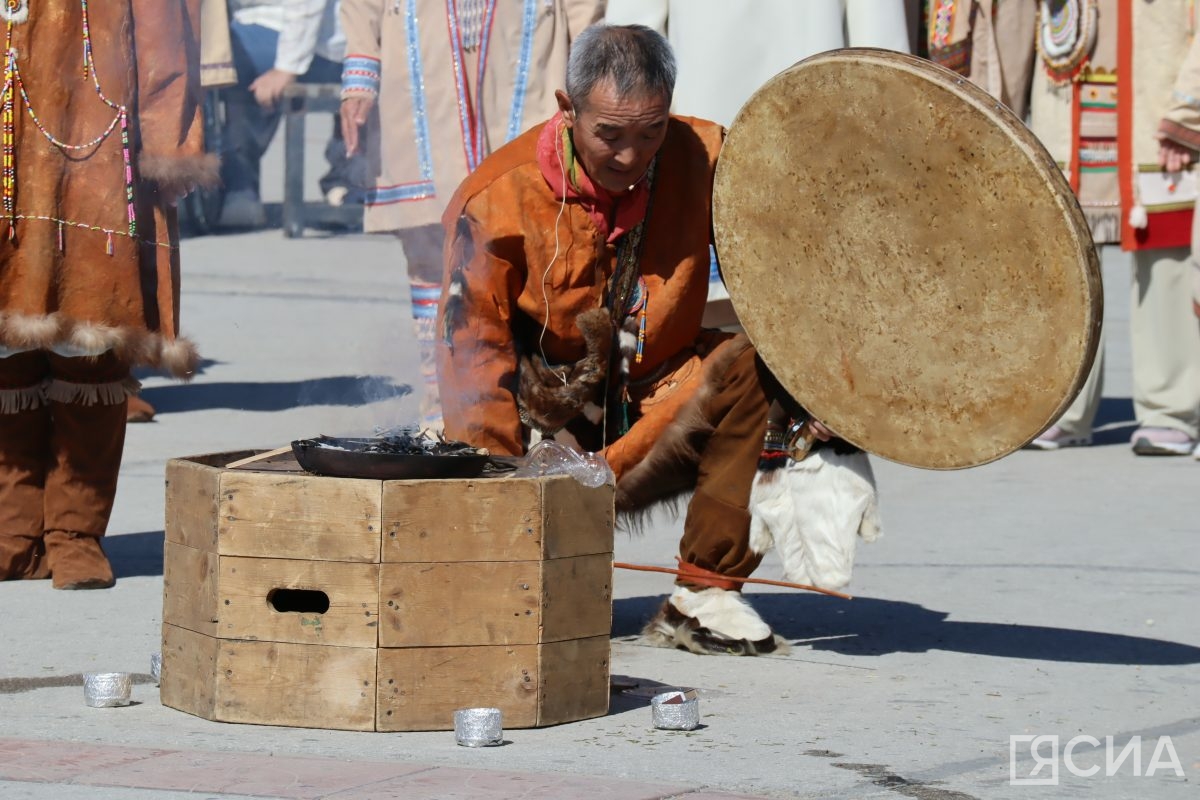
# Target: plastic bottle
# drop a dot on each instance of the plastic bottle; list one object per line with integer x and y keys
{"x": 548, "y": 457}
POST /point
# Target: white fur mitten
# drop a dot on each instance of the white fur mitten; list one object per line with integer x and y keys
{"x": 814, "y": 511}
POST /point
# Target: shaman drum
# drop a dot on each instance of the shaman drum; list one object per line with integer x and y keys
{"x": 907, "y": 258}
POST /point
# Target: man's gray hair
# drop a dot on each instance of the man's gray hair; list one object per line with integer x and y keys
{"x": 637, "y": 59}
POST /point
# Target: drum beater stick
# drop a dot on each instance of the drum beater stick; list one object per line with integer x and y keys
{"x": 785, "y": 584}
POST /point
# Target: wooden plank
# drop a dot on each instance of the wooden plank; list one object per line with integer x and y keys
{"x": 462, "y": 520}
{"x": 574, "y": 680}
{"x": 269, "y": 515}
{"x": 576, "y": 598}
{"x": 420, "y": 688}
{"x": 301, "y": 685}
{"x": 576, "y": 520}
{"x": 189, "y": 668}
{"x": 465, "y": 603}
{"x": 191, "y": 509}
{"x": 281, "y": 463}
{"x": 255, "y": 595}
{"x": 190, "y": 588}
{"x": 249, "y": 461}
{"x": 219, "y": 460}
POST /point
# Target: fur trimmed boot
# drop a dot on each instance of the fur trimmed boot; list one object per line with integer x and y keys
{"x": 87, "y": 436}
{"x": 22, "y": 557}
{"x": 24, "y": 449}
{"x": 139, "y": 410}
{"x": 712, "y": 621}
{"x": 77, "y": 561}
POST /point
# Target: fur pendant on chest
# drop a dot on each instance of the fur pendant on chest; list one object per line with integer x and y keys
{"x": 551, "y": 396}
{"x": 15, "y": 12}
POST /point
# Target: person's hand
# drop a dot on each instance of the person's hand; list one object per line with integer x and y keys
{"x": 268, "y": 87}
{"x": 819, "y": 430}
{"x": 354, "y": 113}
{"x": 1174, "y": 157}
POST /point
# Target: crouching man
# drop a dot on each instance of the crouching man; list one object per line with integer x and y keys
{"x": 577, "y": 267}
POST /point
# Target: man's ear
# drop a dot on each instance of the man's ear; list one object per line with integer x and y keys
{"x": 565, "y": 106}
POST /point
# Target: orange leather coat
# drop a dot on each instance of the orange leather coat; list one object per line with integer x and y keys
{"x": 531, "y": 265}
{"x": 71, "y": 274}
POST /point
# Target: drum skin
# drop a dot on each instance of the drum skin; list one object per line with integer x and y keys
{"x": 907, "y": 258}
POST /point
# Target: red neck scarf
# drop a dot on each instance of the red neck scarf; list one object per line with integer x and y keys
{"x": 614, "y": 214}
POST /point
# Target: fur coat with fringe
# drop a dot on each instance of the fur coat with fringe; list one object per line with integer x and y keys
{"x": 76, "y": 274}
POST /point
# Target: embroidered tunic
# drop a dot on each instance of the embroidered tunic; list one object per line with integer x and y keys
{"x": 455, "y": 79}
{"x": 1102, "y": 123}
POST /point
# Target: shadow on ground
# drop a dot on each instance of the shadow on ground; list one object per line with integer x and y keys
{"x": 135, "y": 554}
{"x": 869, "y": 627}
{"x": 864, "y": 626}
{"x": 142, "y": 373}
{"x": 1115, "y": 421}
{"x": 343, "y": 390}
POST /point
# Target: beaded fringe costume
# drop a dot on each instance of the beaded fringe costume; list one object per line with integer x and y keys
{"x": 101, "y": 135}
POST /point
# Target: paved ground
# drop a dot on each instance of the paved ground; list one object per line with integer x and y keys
{"x": 1049, "y": 593}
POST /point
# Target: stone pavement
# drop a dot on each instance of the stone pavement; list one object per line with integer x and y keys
{"x": 127, "y": 771}
{"x": 1045, "y": 594}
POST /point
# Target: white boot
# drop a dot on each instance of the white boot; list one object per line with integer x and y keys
{"x": 712, "y": 621}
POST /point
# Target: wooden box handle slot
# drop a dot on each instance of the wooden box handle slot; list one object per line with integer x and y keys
{"x": 302, "y": 601}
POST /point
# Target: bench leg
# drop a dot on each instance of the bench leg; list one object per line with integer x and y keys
{"x": 293, "y": 169}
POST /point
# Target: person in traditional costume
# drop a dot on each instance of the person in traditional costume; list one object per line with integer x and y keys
{"x": 1115, "y": 85}
{"x": 593, "y": 229}
{"x": 275, "y": 44}
{"x": 727, "y": 49}
{"x": 989, "y": 41}
{"x": 101, "y": 136}
{"x": 440, "y": 85}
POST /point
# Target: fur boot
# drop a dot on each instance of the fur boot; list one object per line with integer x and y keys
{"x": 814, "y": 511}
{"x": 712, "y": 621}
{"x": 87, "y": 436}
{"x": 139, "y": 410}
{"x": 24, "y": 448}
{"x": 77, "y": 561}
{"x": 23, "y": 558}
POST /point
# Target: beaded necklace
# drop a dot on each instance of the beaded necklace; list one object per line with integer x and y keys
{"x": 1066, "y": 33}
{"x": 15, "y": 12}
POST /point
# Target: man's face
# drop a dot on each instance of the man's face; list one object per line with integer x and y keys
{"x": 616, "y": 137}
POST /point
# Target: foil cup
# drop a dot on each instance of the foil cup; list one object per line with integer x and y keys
{"x": 478, "y": 727}
{"x": 156, "y": 667}
{"x": 676, "y": 711}
{"x": 106, "y": 689}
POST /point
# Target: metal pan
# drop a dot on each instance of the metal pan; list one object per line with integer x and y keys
{"x": 349, "y": 458}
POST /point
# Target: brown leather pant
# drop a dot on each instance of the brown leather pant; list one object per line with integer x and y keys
{"x": 59, "y": 461}
{"x": 701, "y": 429}
{"x": 716, "y": 531}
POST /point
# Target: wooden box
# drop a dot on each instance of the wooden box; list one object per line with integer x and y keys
{"x": 294, "y": 599}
